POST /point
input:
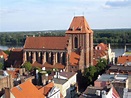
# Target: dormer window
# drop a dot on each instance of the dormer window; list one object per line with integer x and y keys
{"x": 70, "y": 29}
{"x": 79, "y": 29}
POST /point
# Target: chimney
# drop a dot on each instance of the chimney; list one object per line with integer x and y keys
{"x": 7, "y": 93}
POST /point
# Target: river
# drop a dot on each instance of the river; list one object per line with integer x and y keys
{"x": 119, "y": 50}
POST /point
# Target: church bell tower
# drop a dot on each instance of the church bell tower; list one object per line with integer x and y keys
{"x": 81, "y": 37}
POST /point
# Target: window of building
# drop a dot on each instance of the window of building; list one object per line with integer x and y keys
{"x": 76, "y": 42}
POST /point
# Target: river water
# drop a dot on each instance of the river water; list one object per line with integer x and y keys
{"x": 119, "y": 50}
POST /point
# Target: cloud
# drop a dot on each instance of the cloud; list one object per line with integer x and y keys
{"x": 117, "y": 3}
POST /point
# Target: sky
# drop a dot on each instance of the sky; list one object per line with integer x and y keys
{"x": 38, "y": 15}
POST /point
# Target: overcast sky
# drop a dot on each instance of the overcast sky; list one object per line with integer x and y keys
{"x": 33, "y": 15}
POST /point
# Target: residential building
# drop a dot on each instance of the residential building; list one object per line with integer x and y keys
{"x": 6, "y": 80}
{"x": 103, "y": 51}
{"x": 116, "y": 80}
{"x": 124, "y": 60}
{"x": 100, "y": 92}
{"x": 66, "y": 81}
{"x": 26, "y": 90}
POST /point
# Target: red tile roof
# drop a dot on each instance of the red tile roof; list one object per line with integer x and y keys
{"x": 123, "y": 59}
{"x": 79, "y": 25}
{"x": 99, "y": 53}
{"x": 74, "y": 59}
{"x": 26, "y": 90}
{"x": 103, "y": 46}
{"x": 45, "y": 90}
{"x": 3, "y": 54}
{"x": 46, "y": 43}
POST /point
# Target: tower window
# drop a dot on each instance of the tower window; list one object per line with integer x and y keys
{"x": 76, "y": 42}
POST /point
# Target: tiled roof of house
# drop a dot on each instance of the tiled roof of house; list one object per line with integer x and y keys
{"x": 99, "y": 54}
{"x": 90, "y": 92}
{"x": 118, "y": 68}
{"x": 26, "y": 90}
{"x": 45, "y": 90}
{"x": 123, "y": 59}
{"x": 74, "y": 59}
{"x": 46, "y": 43}
{"x": 3, "y": 54}
{"x": 79, "y": 25}
{"x": 103, "y": 46}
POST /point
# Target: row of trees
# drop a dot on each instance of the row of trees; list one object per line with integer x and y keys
{"x": 120, "y": 36}
{"x": 112, "y": 36}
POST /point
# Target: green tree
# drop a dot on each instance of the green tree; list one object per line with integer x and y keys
{"x": 27, "y": 66}
{"x": 89, "y": 73}
{"x": 1, "y": 66}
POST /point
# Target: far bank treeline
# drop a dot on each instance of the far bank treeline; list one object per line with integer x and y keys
{"x": 113, "y": 36}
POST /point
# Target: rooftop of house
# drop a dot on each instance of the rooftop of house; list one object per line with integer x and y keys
{"x": 99, "y": 53}
{"x": 53, "y": 43}
{"x": 2, "y": 54}
{"x": 79, "y": 25}
{"x": 63, "y": 77}
{"x": 112, "y": 77}
{"x": 95, "y": 92}
{"x": 127, "y": 53}
{"x": 120, "y": 68}
{"x": 123, "y": 59}
{"x": 67, "y": 75}
{"x": 26, "y": 90}
{"x": 102, "y": 46}
{"x": 45, "y": 89}
{"x": 59, "y": 81}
